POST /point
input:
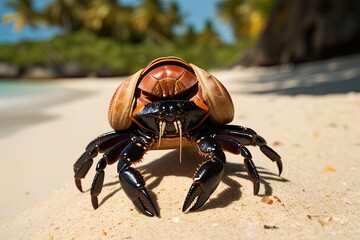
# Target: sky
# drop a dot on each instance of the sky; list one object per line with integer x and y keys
{"x": 195, "y": 12}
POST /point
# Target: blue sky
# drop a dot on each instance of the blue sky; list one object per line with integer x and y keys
{"x": 195, "y": 12}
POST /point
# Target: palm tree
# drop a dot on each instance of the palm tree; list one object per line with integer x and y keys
{"x": 154, "y": 22}
{"x": 23, "y": 14}
{"x": 209, "y": 36}
{"x": 66, "y": 13}
{"x": 190, "y": 36}
{"x": 109, "y": 18}
{"x": 246, "y": 17}
{"x": 26, "y": 15}
{"x": 174, "y": 17}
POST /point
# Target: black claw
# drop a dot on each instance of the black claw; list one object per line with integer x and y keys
{"x": 273, "y": 156}
{"x": 256, "y": 188}
{"x": 195, "y": 192}
{"x": 253, "y": 174}
{"x": 81, "y": 171}
{"x": 280, "y": 166}
{"x": 95, "y": 202}
{"x": 78, "y": 184}
{"x": 200, "y": 201}
{"x": 96, "y": 188}
{"x": 145, "y": 204}
{"x": 140, "y": 206}
{"x": 134, "y": 186}
{"x": 206, "y": 180}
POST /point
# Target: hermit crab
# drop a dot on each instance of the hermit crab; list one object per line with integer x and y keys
{"x": 170, "y": 104}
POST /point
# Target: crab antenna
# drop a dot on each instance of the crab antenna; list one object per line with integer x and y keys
{"x": 162, "y": 126}
{"x": 177, "y": 130}
{"x": 178, "y": 123}
{"x": 176, "y": 127}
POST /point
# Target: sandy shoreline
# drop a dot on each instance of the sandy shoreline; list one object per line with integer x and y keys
{"x": 309, "y": 114}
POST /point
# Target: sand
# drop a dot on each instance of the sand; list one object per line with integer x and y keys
{"x": 308, "y": 113}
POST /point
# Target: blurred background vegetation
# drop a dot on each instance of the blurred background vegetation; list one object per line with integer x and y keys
{"x": 108, "y": 38}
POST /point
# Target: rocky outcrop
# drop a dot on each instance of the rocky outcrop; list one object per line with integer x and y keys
{"x": 8, "y": 71}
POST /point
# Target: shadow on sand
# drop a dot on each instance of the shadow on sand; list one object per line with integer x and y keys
{"x": 333, "y": 76}
{"x": 169, "y": 165}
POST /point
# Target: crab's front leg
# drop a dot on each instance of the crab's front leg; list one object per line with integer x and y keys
{"x": 100, "y": 144}
{"x": 208, "y": 175}
{"x": 131, "y": 179}
{"x": 112, "y": 144}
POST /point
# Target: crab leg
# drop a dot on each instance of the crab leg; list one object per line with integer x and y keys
{"x": 110, "y": 157}
{"x": 81, "y": 168}
{"x": 251, "y": 169}
{"x": 235, "y": 147}
{"x": 99, "y": 144}
{"x": 209, "y": 174}
{"x": 131, "y": 179}
{"x": 247, "y": 136}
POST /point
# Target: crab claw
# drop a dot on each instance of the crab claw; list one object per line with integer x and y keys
{"x": 134, "y": 186}
{"x": 206, "y": 180}
{"x": 273, "y": 156}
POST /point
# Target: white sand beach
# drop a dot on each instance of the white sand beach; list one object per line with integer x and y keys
{"x": 308, "y": 113}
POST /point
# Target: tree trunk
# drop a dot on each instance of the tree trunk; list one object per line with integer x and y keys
{"x": 306, "y": 30}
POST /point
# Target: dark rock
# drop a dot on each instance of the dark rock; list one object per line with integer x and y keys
{"x": 8, "y": 71}
{"x": 105, "y": 71}
{"x": 39, "y": 72}
{"x": 72, "y": 69}
{"x": 306, "y": 30}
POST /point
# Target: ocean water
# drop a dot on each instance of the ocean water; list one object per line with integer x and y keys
{"x": 17, "y": 95}
{"x": 30, "y": 96}
{"x": 10, "y": 88}
{"x": 24, "y": 103}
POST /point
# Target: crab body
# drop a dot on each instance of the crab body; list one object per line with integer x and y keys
{"x": 170, "y": 104}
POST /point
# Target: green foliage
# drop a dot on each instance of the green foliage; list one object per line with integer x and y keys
{"x": 95, "y": 52}
{"x": 106, "y": 34}
{"x": 149, "y": 20}
{"x": 153, "y": 20}
{"x": 246, "y": 17}
{"x": 22, "y": 54}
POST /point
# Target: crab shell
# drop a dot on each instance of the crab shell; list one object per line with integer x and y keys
{"x": 213, "y": 93}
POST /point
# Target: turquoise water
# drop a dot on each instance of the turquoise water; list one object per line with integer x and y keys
{"x": 17, "y": 97}
{"x": 10, "y": 88}
{"x": 23, "y": 104}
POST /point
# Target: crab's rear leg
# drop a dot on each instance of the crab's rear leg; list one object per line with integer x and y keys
{"x": 208, "y": 175}
{"x": 235, "y": 147}
{"x": 131, "y": 179}
{"x": 247, "y": 136}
